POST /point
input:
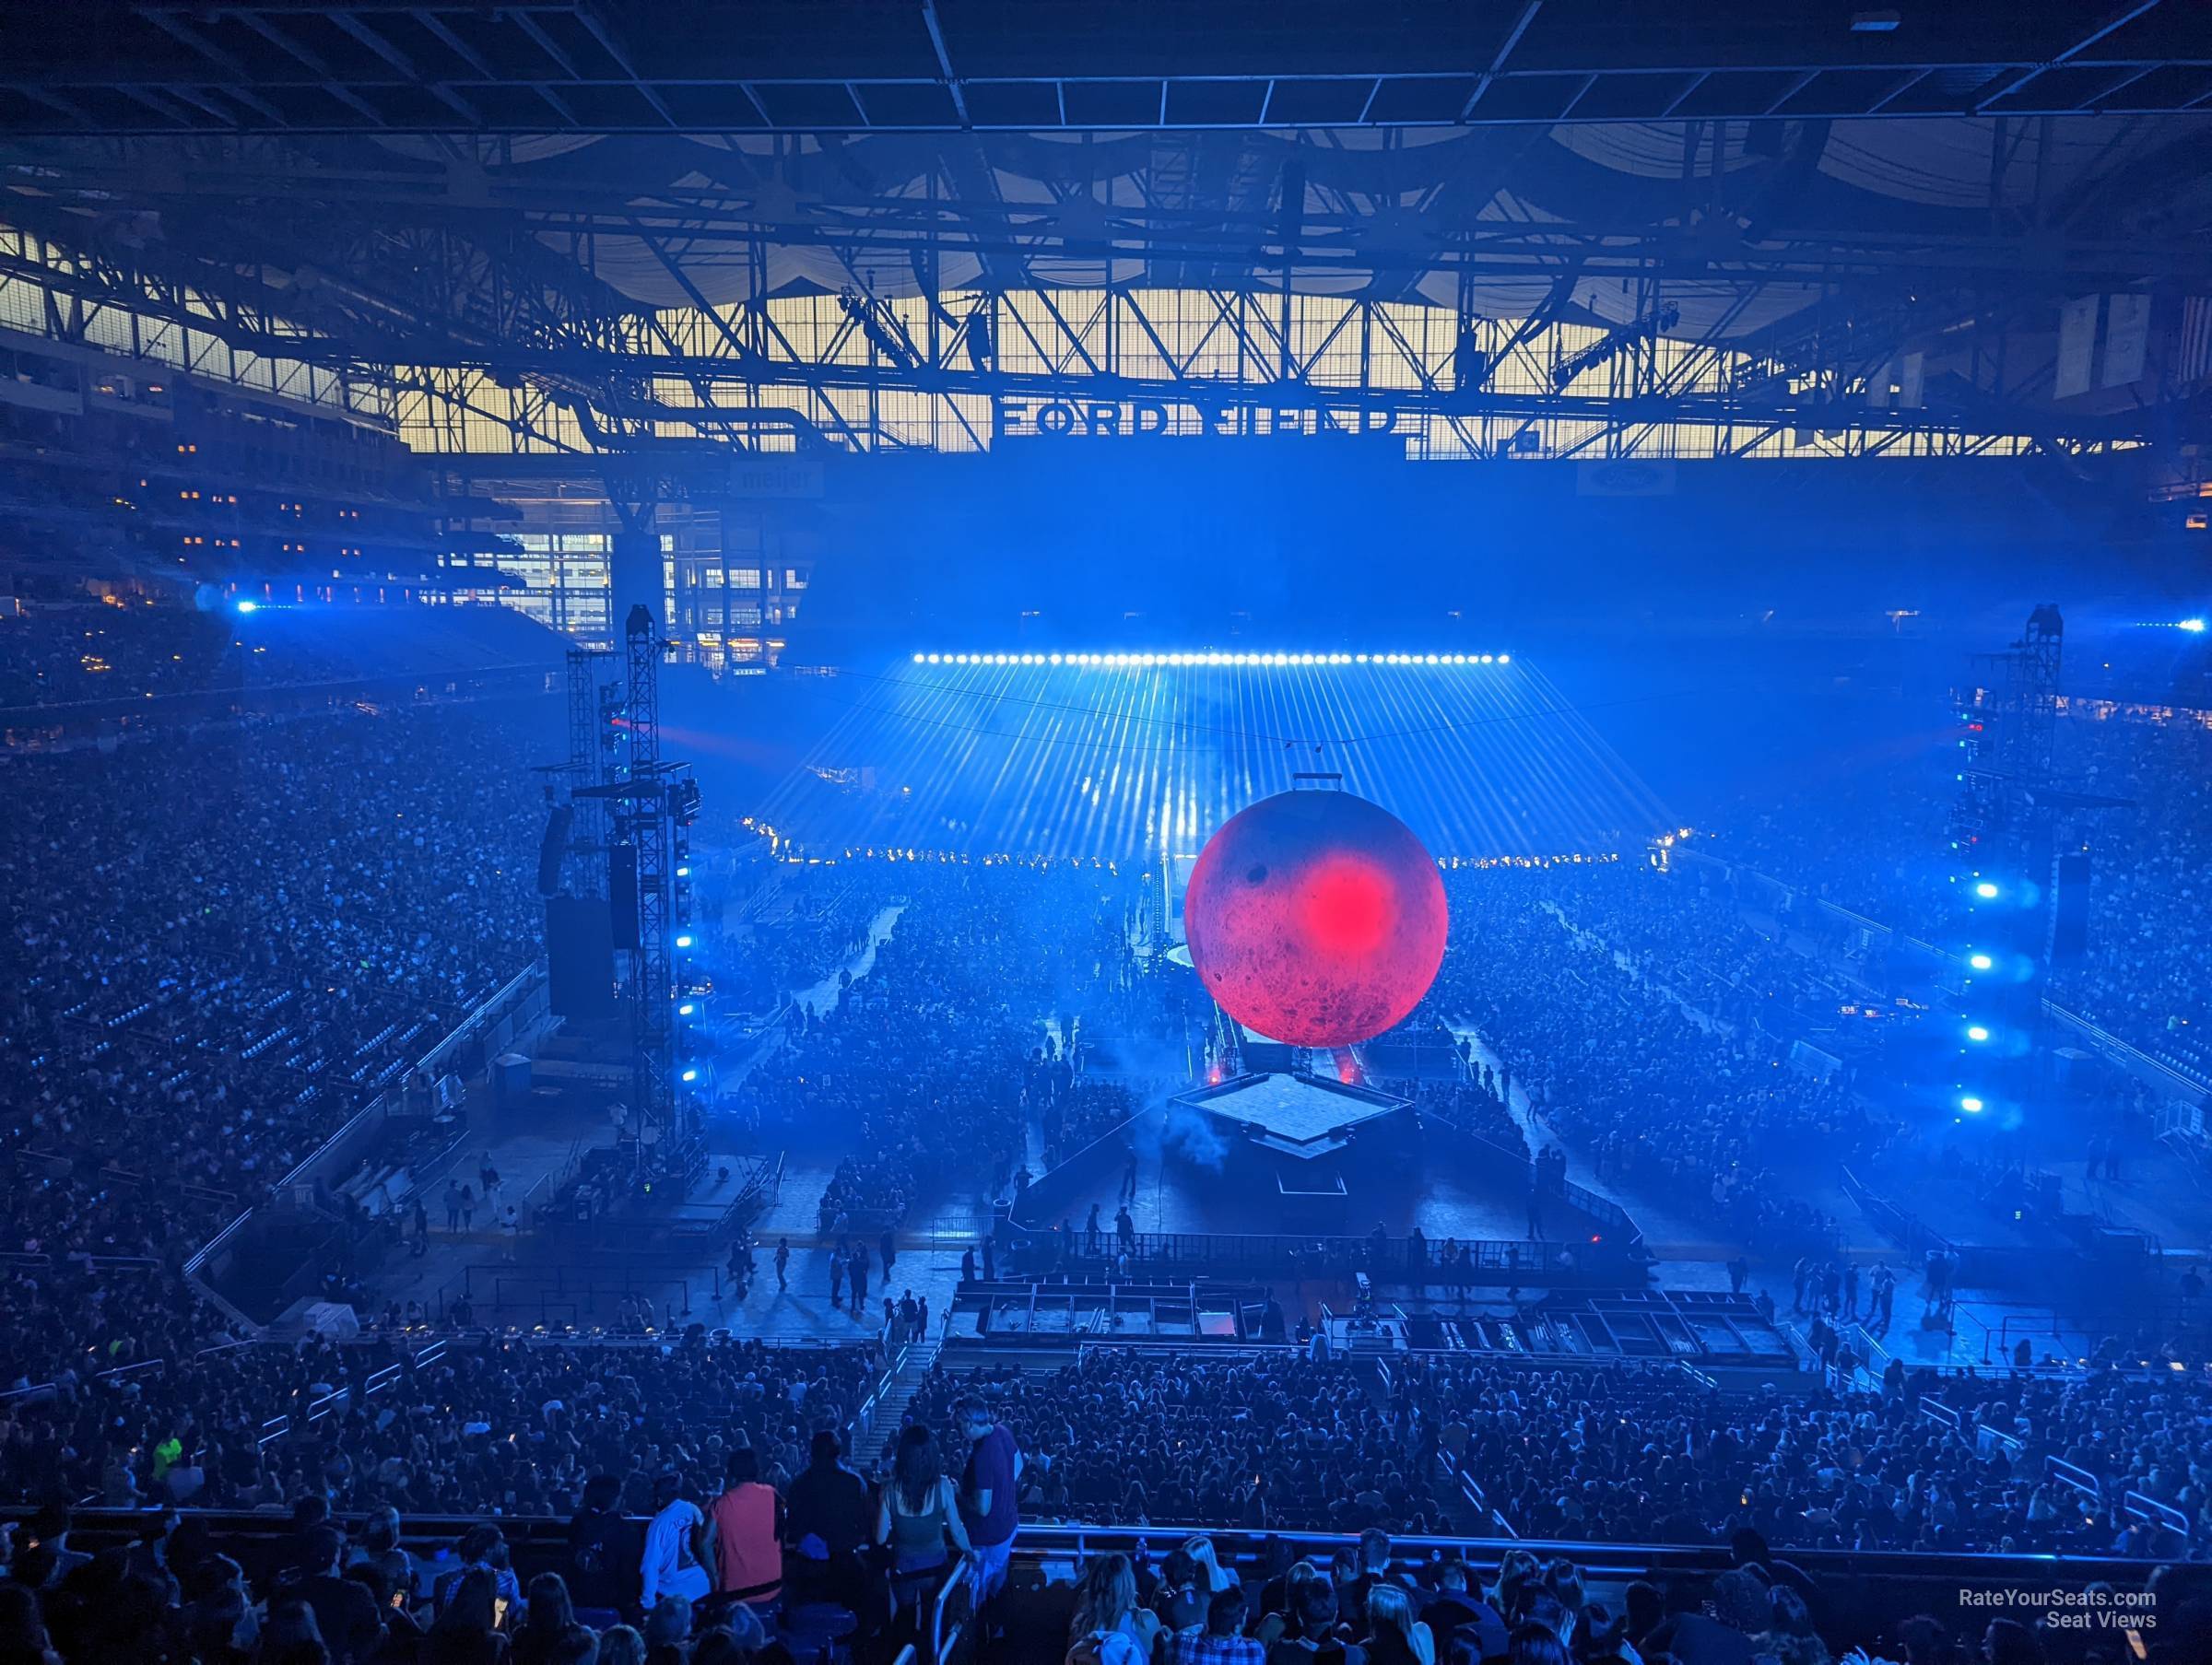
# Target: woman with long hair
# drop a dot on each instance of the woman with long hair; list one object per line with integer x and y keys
{"x": 1535, "y": 1645}
{"x": 1213, "y": 1577}
{"x": 1395, "y": 1636}
{"x": 1181, "y": 1600}
{"x": 1108, "y": 1629}
{"x": 918, "y": 1515}
{"x": 552, "y": 1616}
{"x": 468, "y": 1632}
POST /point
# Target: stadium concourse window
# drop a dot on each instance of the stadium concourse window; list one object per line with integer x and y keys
{"x": 566, "y": 579}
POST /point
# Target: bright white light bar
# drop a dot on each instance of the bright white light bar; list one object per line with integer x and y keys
{"x": 1209, "y": 658}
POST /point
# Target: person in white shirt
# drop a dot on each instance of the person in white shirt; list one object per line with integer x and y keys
{"x": 674, "y": 1563}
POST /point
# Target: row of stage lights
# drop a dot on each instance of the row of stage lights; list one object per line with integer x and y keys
{"x": 1978, "y": 1030}
{"x": 1147, "y": 661}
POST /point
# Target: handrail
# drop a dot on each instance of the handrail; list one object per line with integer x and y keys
{"x": 2144, "y": 1506}
{"x": 1600, "y": 1561}
{"x": 2066, "y": 1474}
{"x": 511, "y": 989}
{"x": 955, "y": 1575}
{"x": 2174, "y": 1080}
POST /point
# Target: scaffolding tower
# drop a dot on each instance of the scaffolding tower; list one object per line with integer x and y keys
{"x": 588, "y": 766}
{"x": 655, "y": 802}
{"x": 2023, "y": 902}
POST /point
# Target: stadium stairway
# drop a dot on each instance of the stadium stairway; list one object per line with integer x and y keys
{"x": 1464, "y": 1511}
{"x": 919, "y": 1358}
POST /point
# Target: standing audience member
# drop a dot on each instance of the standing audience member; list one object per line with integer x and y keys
{"x": 745, "y": 1533}
{"x": 918, "y": 1516}
{"x": 828, "y": 1518}
{"x": 987, "y": 1502}
{"x": 607, "y": 1551}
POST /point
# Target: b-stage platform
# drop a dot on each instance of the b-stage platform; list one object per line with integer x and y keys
{"x": 1264, "y": 1173}
{"x": 1304, "y": 1117}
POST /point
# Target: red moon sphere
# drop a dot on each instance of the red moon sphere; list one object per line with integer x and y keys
{"x": 1315, "y": 918}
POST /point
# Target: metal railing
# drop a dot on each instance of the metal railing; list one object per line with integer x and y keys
{"x": 277, "y": 1427}
{"x": 1044, "y": 1250}
{"x": 540, "y": 1542}
{"x": 505, "y": 1001}
{"x": 944, "y": 1638}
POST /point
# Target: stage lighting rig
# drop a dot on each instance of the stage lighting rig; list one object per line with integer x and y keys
{"x": 1614, "y": 340}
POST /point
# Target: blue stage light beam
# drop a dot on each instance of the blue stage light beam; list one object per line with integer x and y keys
{"x": 1120, "y": 754}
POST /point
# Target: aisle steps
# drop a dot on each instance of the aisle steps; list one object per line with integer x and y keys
{"x": 891, "y": 1407}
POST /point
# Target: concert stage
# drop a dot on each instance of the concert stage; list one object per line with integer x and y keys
{"x": 1269, "y": 1174}
{"x": 1301, "y": 1117}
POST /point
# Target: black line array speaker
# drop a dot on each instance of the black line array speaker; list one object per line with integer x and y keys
{"x": 579, "y": 958}
{"x": 2069, "y": 909}
{"x": 622, "y": 892}
{"x": 553, "y": 848}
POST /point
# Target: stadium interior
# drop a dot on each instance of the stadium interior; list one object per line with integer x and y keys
{"x": 1137, "y": 832}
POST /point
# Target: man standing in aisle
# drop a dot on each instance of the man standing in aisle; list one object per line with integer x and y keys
{"x": 987, "y": 1496}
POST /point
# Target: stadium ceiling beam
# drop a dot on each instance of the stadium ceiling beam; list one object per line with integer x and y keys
{"x": 1347, "y": 403}
{"x": 530, "y": 66}
{"x": 251, "y": 180}
{"x": 577, "y": 364}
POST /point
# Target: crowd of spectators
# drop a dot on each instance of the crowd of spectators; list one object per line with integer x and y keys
{"x": 1874, "y": 842}
{"x": 1473, "y": 1106}
{"x": 509, "y": 1428}
{"x": 1559, "y": 970}
{"x": 1646, "y": 1452}
{"x": 129, "y": 648}
{"x": 1626, "y": 1450}
{"x": 1149, "y": 1438}
{"x": 973, "y": 1003}
{"x": 108, "y": 651}
{"x": 756, "y": 1521}
{"x": 218, "y": 953}
{"x": 331, "y": 1596}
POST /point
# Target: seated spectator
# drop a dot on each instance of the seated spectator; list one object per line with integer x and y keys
{"x": 347, "y": 1616}
{"x": 1109, "y": 1628}
{"x": 1394, "y": 1635}
{"x": 1314, "y": 1632}
{"x": 466, "y": 1629}
{"x": 1222, "y": 1641}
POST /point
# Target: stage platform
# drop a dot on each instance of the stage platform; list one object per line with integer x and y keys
{"x": 1302, "y": 1117}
